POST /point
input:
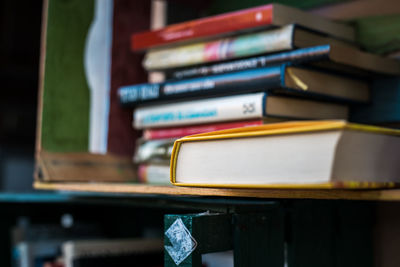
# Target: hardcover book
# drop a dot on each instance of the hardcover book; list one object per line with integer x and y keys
{"x": 235, "y": 108}
{"x": 312, "y": 154}
{"x": 251, "y": 19}
{"x": 154, "y": 174}
{"x": 340, "y": 59}
{"x": 297, "y": 56}
{"x": 176, "y": 132}
{"x": 280, "y": 39}
{"x": 154, "y": 151}
{"x": 282, "y": 78}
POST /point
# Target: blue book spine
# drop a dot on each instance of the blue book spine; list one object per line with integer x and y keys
{"x": 301, "y": 55}
{"x": 259, "y": 79}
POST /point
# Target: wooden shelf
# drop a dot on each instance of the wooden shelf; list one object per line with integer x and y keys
{"x": 138, "y": 189}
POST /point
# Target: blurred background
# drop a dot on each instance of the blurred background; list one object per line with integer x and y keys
{"x": 37, "y": 216}
{"x": 20, "y": 27}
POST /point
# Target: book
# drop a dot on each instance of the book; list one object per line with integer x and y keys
{"x": 175, "y": 132}
{"x": 311, "y": 154}
{"x": 339, "y": 59}
{"x": 395, "y": 54}
{"x": 154, "y": 174}
{"x": 377, "y": 25}
{"x": 297, "y": 56}
{"x": 266, "y": 16}
{"x": 282, "y": 78}
{"x": 245, "y": 45}
{"x": 116, "y": 253}
{"x": 154, "y": 151}
{"x": 235, "y": 108}
{"x": 379, "y": 34}
{"x": 350, "y": 10}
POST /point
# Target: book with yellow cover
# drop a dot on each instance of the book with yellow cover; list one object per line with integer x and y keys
{"x": 304, "y": 154}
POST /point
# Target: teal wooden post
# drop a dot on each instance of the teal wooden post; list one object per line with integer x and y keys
{"x": 189, "y": 236}
{"x": 257, "y": 236}
{"x": 259, "y": 239}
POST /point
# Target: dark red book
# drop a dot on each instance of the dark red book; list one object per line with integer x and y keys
{"x": 176, "y": 132}
{"x": 236, "y": 22}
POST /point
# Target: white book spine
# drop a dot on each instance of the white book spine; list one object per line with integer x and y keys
{"x": 158, "y": 174}
{"x": 231, "y": 108}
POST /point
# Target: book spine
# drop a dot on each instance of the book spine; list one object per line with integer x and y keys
{"x": 154, "y": 151}
{"x": 176, "y": 132}
{"x": 231, "y": 108}
{"x": 241, "y": 46}
{"x": 154, "y": 174}
{"x": 206, "y": 27}
{"x": 301, "y": 55}
{"x": 259, "y": 79}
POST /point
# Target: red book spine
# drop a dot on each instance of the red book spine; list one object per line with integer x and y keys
{"x": 206, "y": 27}
{"x": 151, "y": 134}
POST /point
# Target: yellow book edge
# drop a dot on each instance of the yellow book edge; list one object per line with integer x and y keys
{"x": 279, "y": 129}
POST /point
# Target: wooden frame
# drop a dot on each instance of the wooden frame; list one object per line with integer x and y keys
{"x": 109, "y": 171}
{"x": 372, "y": 195}
{"x": 75, "y": 166}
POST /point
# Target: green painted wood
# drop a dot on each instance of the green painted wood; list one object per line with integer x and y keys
{"x": 259, "y": 239}
{"x": 212, "y": 232}
{"x": 221, "y": 6}
{"x": 311, "y": 234}
{"x": 354, "y": 234}
{"x": 330, "y": 233}
{"x": 194, "y": 260}
{"x": 65, "y": 117}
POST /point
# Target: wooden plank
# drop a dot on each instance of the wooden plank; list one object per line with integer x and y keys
{"x": 374, "y": 195}
{"x": 84, "y": 167}
{"x": 41, "y": 77}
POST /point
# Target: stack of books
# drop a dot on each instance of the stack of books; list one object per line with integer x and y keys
{"x": 252, "y": 67}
